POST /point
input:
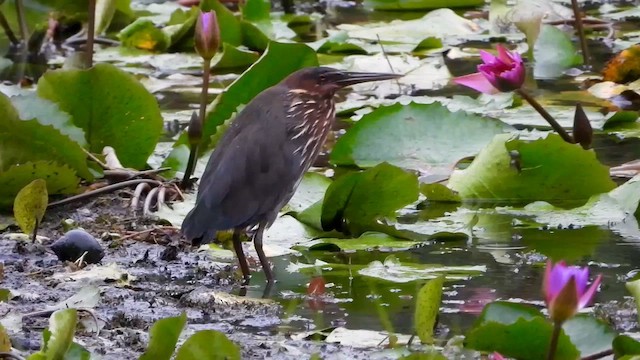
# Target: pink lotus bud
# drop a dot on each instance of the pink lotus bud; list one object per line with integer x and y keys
{"x": 207, "y": 35}
{"x": 502, "y": 73}
{"x": 565, "y": 290}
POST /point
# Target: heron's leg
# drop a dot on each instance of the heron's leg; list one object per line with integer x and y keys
{"x": 257, "y": 242}
{"x": 237, "y": 246}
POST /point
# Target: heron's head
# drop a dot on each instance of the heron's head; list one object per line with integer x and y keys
{"x": 325, "y": 81}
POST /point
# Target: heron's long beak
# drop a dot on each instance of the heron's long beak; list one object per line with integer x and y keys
{"x": 346, "y": 78}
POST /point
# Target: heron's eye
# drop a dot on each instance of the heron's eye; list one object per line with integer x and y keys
{"x": 323, "y": 78}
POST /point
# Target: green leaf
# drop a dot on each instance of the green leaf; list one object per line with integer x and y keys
{"x": 349, "y": 199}
{"x": 415, "y": 136}
{"x": 60, "y": 180}
{"x": 276, "y": 63}
{"x": 62, "y": 326}
{"x": 5, "y": 341}
{"x": 420, "y": 4}
{"x": 163, "y": 338}
{"x": 589, "y": 335}
{"x": 366, "y": 241}
{"x": 230, "y": 29}
{"x": 554, "y": 52}
{"x": 253, "y": 36}
{"x": 48, "y": 113}
{"x": 105, "y": 9}
{"x": 432, "y": 355}
{"x": 624, "y": 345}
{"x": 30, "y": 205}
{"x": 233, "y": 58}
{"x": 257, "y": 10}
{"x": 111, "y": 106}
{"x": 208, "y": 344}
{"x": 22, "y": 141}
{"x": 427, "y": 309}
{"x": 550, "y": 170}
{"x": 77, "y": 352}
{"x": 633, "y": 287}
{"x": 144, "y": 34}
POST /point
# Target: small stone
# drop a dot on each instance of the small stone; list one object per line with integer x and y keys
{"x": 74, "y": 243}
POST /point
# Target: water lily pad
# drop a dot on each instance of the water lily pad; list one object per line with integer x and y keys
{"x": 549, "y": 169}
{"x": 111, "y": 106}
{"x": 366, "y": 241}
{"x": 30, "y": 205}
{"x": 420, "y": 4}
{"x": 60, "y": 179}
{"x": 395, "y": 271}
{"x": 554, "y": 52}
{"x": 415, "y": 136}
{"x": 427, "y": 309}
{"x": 349, "y": 207}
{"x": 144, "y": 34}
{"x": 163, "y": 338}
{"x": 625, "y": 345}
{"x": 233, "y": 58}
{"x": 208, "y": 344}
{"x": 275, "y": 64}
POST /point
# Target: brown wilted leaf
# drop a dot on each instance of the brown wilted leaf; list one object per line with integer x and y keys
{"x": 624, "y": 67}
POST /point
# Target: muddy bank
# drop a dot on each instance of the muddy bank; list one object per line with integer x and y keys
{"x": 143, "y": 277}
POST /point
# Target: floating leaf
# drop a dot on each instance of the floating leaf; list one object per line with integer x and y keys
{"x": 420, "y": 4}
{"x": 144, "y": 34}
{"x": 256, "y": 10}
{"x": 59, "y": 179}
{"x": 22, "y": 141}
{"x": 111, "y": 106}
{"x": 275, "y": 64}
{"x": 233, "y": 58}
{"x": 163, "y": 338}
{"x": 416, "y": 136}
{"x": 427, "y": 309}
{"x": 62, "y": 326}
{"x": 348, "y": 200}
{"x": 624, "y": 345}
{"x": 554, "y": 52}
{"x": 30, "y": 205}
{"x": 208, "y": 344}
{"x": 551, "y": 170}
{"x": 366, "y": 241}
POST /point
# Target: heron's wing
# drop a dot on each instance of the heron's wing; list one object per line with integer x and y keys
{"x": 247, "y": 176}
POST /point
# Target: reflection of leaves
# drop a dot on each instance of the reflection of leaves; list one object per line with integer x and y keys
{"x": 625, "y": 345}
{"x": 554, "y": 52}
{"x": 208, "y": 344}
{"x": 275, "y": 64}
{"x": 356, "y": 202}
{"x": 111, "y": 106}
{"x": 416, "y": 136}
{"x": 60, "y": 179}
{"x": 163, "y": 338}
{"x": 30, "y": 205}
{"x": 551, "y": 170}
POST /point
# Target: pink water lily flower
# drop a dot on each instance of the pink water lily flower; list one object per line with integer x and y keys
{"x": 502, "y": 73}
{"x": 565, "y": 289}
{"x": 207, "y": 34}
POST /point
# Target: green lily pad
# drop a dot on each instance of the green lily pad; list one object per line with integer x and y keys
{"x": 163, "y": 338}
{"x": 233, "y": 58}
{"x": 30, "y": 205}
{"x": 208, "y": 344}
{"x": 554, "y": 52}
{"x": 349, "y": 207}
{"x": 415, "y": 136}
{"x": 60, "y": 179}
{"x": 144, "y": 34}
{"x": 520, "y": 331}
{"x": 275, "y": 64}
{"x": 624, "y": 345}
{"x": 550, "y": 170}
{"x": 257, "y": 10}
{"x": 366, "y": 241}
{"x": 111, "y": 106}
{"x": 395, "y": 271}
{"x": 427, "y": 309}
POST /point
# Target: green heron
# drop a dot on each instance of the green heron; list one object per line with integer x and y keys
{"x": 259, "y": 162}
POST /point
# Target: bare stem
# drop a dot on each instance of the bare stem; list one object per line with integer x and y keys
{"x": 7, "y": 30}
{"x": 91, "y": 33}
{"x": 580, "y": 29}
{"x": 193, "y": 153}
{"x": 553, "y": 346}
{"x": 24, "y": 30}
{"x": 554, "y": 124}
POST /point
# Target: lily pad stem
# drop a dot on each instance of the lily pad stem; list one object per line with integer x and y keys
{"x": 35, "y": 231}
{"x": 24, "y": 30}
{"x": 554, "y": 124}
{"x": 7, "y": 30}
{"x": 193, "y": 153}
{"x": 553, "y": 346}
{"x": 91, "y": 33}
{"x": 580, "y": 30}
